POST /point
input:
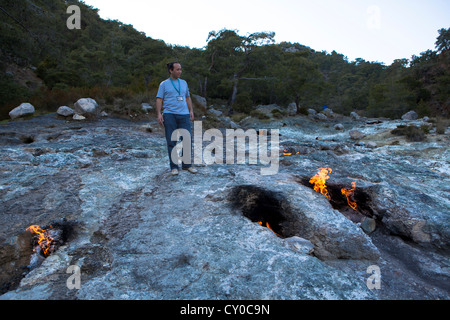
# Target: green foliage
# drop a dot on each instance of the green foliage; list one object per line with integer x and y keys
{"x": 110, "y": 60}
{"x": 12, "y": 93}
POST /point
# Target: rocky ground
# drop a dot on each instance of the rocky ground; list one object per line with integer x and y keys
{"x": 136, "y": 232}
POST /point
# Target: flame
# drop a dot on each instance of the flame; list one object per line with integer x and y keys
{"x": 268, "y": 226}
{"x": 287, "y": 153}
{"x": 44, "y": 240}
{"x": 319, "y": 181}
{"x": 349, "y": 193}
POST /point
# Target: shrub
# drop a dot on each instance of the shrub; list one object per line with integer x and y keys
{"x": 411, "y": 132}
{"x": 441, "y": 125}
{"x": 259, "y": 115}
{"x": 278, "y": 113}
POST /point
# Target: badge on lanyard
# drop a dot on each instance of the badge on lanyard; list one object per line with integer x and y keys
{"x": 180, "y": 97}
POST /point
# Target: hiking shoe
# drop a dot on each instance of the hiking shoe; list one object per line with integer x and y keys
{"x": 174, "y": 172}
{"x": 191, "y": 170}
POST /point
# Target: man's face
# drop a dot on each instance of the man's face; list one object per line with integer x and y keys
{"x": 176, "y": 72}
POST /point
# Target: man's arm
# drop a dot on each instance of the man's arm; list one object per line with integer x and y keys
{"x": 191, "y": 110}
{"x": 159, "y": 103}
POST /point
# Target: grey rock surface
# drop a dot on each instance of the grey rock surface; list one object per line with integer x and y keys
{"x": 136, "y": 232}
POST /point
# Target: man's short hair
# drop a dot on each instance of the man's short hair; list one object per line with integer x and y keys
{"x": 171, "y": 65}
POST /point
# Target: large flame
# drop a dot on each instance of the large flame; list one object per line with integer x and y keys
{"x": 349, "y": 193}
{"x": 43, "y": 239}
{"x": 319, "y": 181}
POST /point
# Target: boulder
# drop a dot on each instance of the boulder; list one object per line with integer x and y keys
{"x": 86, "y": 106}
{"x": 299, "y": 244}
{"x": 339, "y": 126}
{"x": 371, "y": 145}
{"x": 215, "y": 112}
{"x": 22, "y": 110}
{"x": 146, "y": 107}
{"x": 228, "y": 122}
{"x": 412, "y": 115}
{"x": 320, "y": 116}
{"x": 356, "y": 134}
{"x": 199, "y": 100}
{"x": 368, "y": 225}
{"x": 292, "y": 109}
{"x": 354, "y": 116}
{"x": 312, "y": 112}
{"x": 65, "y": 111}
{"x": 77, "y": 116}
{"x": 328, "y": 112}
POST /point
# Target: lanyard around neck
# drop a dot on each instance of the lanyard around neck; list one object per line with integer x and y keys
{"x": 179, "y": 86}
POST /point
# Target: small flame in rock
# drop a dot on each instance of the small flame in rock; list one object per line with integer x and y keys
{"x": 289, "y": 153}
{"x": 349, "y": 194}
{"x": 319, "y": 181}
{"x": 43, "y": 239}
{"x": 268, "y": 226}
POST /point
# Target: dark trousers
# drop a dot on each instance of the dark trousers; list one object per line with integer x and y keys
{"x": 173, "y": 122}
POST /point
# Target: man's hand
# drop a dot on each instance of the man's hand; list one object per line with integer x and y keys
{"x": 191, "y": 109}
{"x": 161, "y": 120}
{"x": 159, "y": 103}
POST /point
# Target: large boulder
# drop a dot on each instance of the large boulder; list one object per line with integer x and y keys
{"x": 22, "y": 110}
{"x": 86, "y": 106}
{"x": 65, "y": 111}
{"x": 412, "y": 115}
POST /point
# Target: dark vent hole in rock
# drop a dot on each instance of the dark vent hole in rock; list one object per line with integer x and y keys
{"x": 27, "y": 139}
{"x": 260, "y": 205}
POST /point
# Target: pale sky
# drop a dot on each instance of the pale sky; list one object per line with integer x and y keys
{"x": 375, "y": 30}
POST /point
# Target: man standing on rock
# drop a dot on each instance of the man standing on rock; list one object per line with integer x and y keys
{"x": 174, "y": 96}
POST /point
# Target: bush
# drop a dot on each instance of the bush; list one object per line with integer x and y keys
{"x": 259, "y": 115}
{"x": 278, "y": 114}
{"x": 441, "y": 125}
{"x": 412, "y": 133}
{"x": 303, "y": 110}
{"x": 243, "y": 103}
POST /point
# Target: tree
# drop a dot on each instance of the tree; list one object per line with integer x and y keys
{"x": 299, "y": 77}
{"x": 443, "y": 40}
{"x": 229, "y": 55}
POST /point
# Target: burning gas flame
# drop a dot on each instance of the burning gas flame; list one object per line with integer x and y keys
{"x": 43, "y": 239}
{"x": 268, "y": 226}
{"x": 287, "y": 153}
{"x": 319, "y": 181}
{"x": 349, "y": 193}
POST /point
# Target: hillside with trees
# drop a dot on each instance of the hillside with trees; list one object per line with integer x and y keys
{"x": 45, "y": 63}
